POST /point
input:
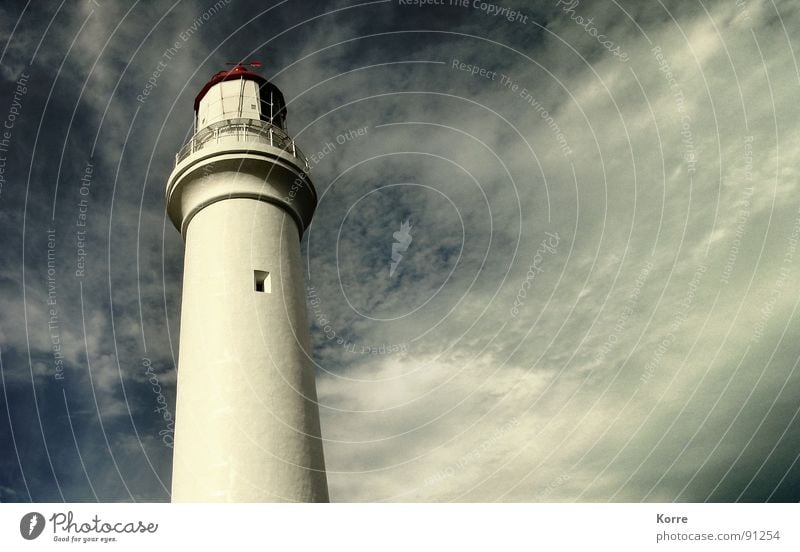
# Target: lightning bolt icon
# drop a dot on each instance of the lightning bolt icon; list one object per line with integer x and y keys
{"x": 34, "y": 522}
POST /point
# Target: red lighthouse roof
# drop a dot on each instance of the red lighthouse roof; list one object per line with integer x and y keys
{"x": 238, "y": 72}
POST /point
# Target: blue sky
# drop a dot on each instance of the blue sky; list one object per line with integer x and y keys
{"x": 598, "y": 300}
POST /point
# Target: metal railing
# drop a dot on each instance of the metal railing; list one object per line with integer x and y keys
{"x": 231, "y": 131}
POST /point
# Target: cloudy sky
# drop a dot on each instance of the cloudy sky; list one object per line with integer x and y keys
{"x": 597, "y": 301}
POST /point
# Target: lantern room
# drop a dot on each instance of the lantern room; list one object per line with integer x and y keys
{"x": 239, "y": 94}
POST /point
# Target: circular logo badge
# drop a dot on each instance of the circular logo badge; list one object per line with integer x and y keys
{"x": 31, "y": 525}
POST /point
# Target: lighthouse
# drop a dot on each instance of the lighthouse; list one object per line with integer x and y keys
{"x": 246, "y": 420}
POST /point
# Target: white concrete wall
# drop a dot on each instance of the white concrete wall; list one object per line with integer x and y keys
{"x": 247, "y": 422}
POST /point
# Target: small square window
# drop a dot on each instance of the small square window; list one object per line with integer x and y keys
{"x": 262, "y": 281}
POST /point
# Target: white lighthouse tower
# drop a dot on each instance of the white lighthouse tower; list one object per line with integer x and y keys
{"x": 247, "y": 421}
